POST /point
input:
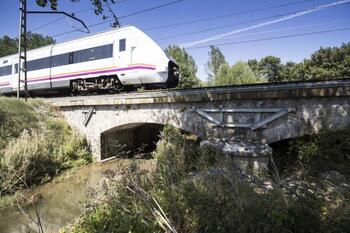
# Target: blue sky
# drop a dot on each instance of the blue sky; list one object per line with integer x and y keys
{"x": 289, "y": 49}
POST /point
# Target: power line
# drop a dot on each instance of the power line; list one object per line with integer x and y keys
{"x": 124, "y": 16}
{"x": 9, "y": 6}
{"x": 230, "y": 25}
{"x": 139, "y": 12}
{"x": 273, "y": 38}
{"x": 226, "y": 15}
{"x": 283, "y": 29}
{"x": 61, "y": 18}
{"x": 221, "y": 27}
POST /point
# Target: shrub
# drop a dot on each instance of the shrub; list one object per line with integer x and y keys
{"x": 315, "y": 154}
{"x": 200, "y": 190}
{"x": 37, "y": 145}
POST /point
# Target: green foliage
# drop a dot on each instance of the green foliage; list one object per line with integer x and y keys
{"x": 216, "y": 59}
{"x": 16, "y": 116}
{"x": 320, "y": 153}
{"x": 187, "y": 66}
{"x": 270, "y": 67}
{"x": 37, "y": 40}
{"x": 195, "y": 189}
{"x": 239, "y": 73}
{"x": 325, "y": 63}
{"x": 9, "y": 45}
{"x": 328, "y": 63}
{"x": 35, "y": 145}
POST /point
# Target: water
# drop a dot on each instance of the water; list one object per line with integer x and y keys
{"x": 61, "y": 200}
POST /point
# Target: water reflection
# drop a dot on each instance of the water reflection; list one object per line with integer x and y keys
{"x": 61, "y": 200}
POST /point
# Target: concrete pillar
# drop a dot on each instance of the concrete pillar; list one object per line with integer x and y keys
{"x": 250, "y": 156}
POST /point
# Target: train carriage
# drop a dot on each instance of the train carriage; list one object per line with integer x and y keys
{"x": 110, "y": 61}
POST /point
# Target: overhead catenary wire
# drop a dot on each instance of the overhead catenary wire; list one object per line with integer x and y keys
{"x": 76, "y": 12}
{"x": 284, "y": 29}
{"x": 226, "y": 15}
{"x": 9, "y": 6}
{"x": 220, "y": 27}
{"x": 124, "y": 16}
{"x": 192, "y": 21}
{"x": 271, "y": 38}
{"x": 267, "y": 23}
{"x": 229, "y": 25}
{"x": 59, "y": 19}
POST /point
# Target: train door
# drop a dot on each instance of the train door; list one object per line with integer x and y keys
{"x": 14, "y": 77}
{"x": 128, "y": 73}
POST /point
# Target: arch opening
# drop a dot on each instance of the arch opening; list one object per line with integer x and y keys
{"x": 133, "y": 140}
{"x": 129, "y": 140}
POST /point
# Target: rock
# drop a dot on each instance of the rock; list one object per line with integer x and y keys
{"x": 248, "y": 155}
{"x": 239, "y": 147}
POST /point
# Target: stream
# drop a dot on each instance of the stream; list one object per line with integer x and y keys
{"x": 61, "y": 200}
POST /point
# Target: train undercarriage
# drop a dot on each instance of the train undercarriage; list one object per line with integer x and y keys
{"x": 112, "y": 84}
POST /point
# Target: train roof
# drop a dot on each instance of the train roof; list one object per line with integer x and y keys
{"x": 77, "y": 39}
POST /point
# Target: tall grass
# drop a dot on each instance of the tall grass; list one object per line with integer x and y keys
{"x": 200, "y": 190}
{"x": 35, "y": 144}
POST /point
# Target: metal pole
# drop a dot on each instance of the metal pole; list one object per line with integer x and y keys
{"x": 22, "y": 43}
{"x": 19, "y": 51}
{"x": 22, "y": 47}
{"x": 25, "y": 48}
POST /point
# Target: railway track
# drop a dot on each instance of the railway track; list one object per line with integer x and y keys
{"x": 216, "y": 89}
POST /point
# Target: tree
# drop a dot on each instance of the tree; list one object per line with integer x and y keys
{"x": 254, "y": 66}
{"x": 216, "y": 59}
{"x": 10, "y": 45}
{"x": 328, "y": 63}
{"x": 288, "y": 72}
{"x": 270, "y": 67}
{"x": 187, "y": 66}
{"x": 325, "y": 63}
{"x": 239, "y": 73}
{"x": 37, "y": 40}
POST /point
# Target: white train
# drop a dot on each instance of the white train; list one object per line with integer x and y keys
{"x": 112, "y": 60}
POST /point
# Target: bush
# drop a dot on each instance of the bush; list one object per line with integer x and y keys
{"x": 16, "y": 116}
{"x": 37, "y": 146}
{"x": 200, "y": 190}
{"x": 312, "y": 155}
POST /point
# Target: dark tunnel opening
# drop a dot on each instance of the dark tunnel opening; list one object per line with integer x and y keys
{"x": 138, "y": 139}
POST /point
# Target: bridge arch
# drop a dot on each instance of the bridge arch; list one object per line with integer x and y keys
{"x": 132, "y": 138}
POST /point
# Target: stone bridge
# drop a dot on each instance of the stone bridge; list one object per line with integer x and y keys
{"x": 262, "y": 112}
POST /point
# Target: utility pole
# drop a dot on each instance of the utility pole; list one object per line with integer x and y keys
{"x": 22, "y": 49}
{"x": 22, "y": 43}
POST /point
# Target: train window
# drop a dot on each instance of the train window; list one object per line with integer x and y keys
{"x": 100, "y": 52}
{"x": 16, "y": 68}
{"x": 122, "y": 45}
{"x": 60, "y": 60}
{"x": 80, "y": 56}
{"x": 5, "y": 70}
{"x": 104, "y": 51}
{"x": 38, "y": 64}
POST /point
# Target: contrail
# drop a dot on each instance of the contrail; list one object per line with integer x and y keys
{"x": 282, "y": 29}
{"x": 285, "y": 18}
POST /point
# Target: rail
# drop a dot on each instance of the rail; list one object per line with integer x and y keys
{"x": 339, "y": 87}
